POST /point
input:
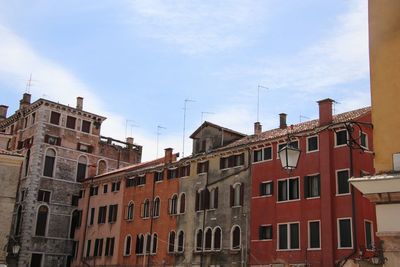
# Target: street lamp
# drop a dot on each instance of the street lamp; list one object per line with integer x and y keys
{"x": 289, "y": 156}
{"x": 16, "y": 248}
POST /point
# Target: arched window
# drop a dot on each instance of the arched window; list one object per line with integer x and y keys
{"x": 171, "y": 242}
{"x": 156, "y": 207}
{"x": 173, "y": 204}
{"x": 101, "y": 167}
{"x": 128, "y": 241}
{"x": 130, "y": 211}
{"x": 182, "y": 200}
{"x": 146, "y": 209}
{"x": 74, "y": 223}
{"x": 199, "y": 240}
{"x": 49, "y": 163}
{"x": 235, "y": 237}
{"x": 181, "y": 241}
{"x": 236, "y": 195}
{"x": 154, "y": 244}
{"x": 217, "y": 238}
{"x": 41, "y": 220}
{"x": 148, "y": 243}
{"x": 208, "y": 238}
{"x": 139, "y": 244}
{"x": 18, "y": 221}
{"x": 81, "y": 169}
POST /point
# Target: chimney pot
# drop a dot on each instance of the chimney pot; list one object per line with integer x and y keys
{"x": 168, "y": 155}
{"x": 325, "y": 111}
{"x": 257, "y": 127}
{"x": 3, "y": 112}
{"x": 282, "y": 120}
{"x": 79, "y": 103}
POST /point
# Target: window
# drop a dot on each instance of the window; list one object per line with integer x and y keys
{"x": 235, "y": 237}
{"x": 158, "y": 176}
{"x": 368, "y": 234}
{"x": 288, "y": 189}
{"x": 94, "y": 191}
{"x": 214, "y": 198}
{"x": 75, "y": 246}
{"x": 49, "y": 163}
{"x": 343, "y": 186}
{"x": 171, "y": 242}
{"x": 266, "y": 188}
{"x": 231, "y": 161}
{"x": 156, "y": 207}
{"x": 128, "y": 243}
{"x": 140, "y": 180}
{"x": 173, "y": 204}
{"x": 145, "y": 212}
{"x": 154, "y": 244}
{"x": 130, "y": 211}
{"x": 202, "y": 199}
{"x": 115, "y": 186}
{"x": 88, "y": 244}
{"x": 267, "y": 153}
{"x": 294, "y": 144}
{"x": 199, "y": 240}
{"x": 148, "y": 243}
{"x": 84, "y": 148}
{"x": 208, "y": 239}
{"x": 236, "y": 195}
{"x": 257, "y": 155}
{"x": 91, "y": 220}
{"x": 112, "y": 213}
{"x": 55, "y": 118}
{"x": 101, "y": 167}
{"x": 202, "y": 167}
{"x": 345, "y": 238}
{"x": 85, "y": 126}
{"x": 139, "y": 244}
{"x": 71, "y": 122}
{"x": 217, "y": 238}
{"x": 288, "y": 236}
{"x": 312, "y": 143}
{"x": 109, "y": 246}
{"x": 314, "y": 233}
{"x": 172, "y": 173}
{"x": 81, "y": 169}
{"x": 363, "y": 140}
{"x": 265, "y": 232}
{"x": 98, "y": 248}
{"x": 130, "y": 182}
{"x": 36, "y": 260}
{"x": 41, "y": 220}
{"x": 184, "y": 171}
{"x": 43, "y": 196}
{"x": 52, "y": 140}
{"x": 181, "y": 241}
{"x": 341, "y": 137}
{"x": 102, "y": 214}
{"x": 182, "y": 204}
{"x": 74, "y": 200}
{"x": 105, "y": 188}
{"x": 312, "y": 186}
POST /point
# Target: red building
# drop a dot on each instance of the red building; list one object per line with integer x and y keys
{"x": 312, "y": 216}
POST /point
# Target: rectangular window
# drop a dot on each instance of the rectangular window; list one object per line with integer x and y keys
{"x": 44, "y": 196}
{"x": 158, "y": 176}
{"x": 343, "y": 186}
{"x": 314, "y": 235}
{"x": 312, "y": 186}
{"x": 288, "y": 236}
{"x": 55, "y": 118}
{"x": 75, "y": 200}
{"x": 36, "y": 259}
{"x": 231, "y": 161}
{"x": 102, "y": 214}
{"x": 33, "y": 117}
{"x": 341, "y": 137}
{"x": 172, "y": 173}
{"x": 115, "y": 186}
{"x": 84, "y": 148}
{"x": 312, "y": 143}
{"x": 266, "y": 188}
{"x": 288, "y": 189}
{"x": 202, "y": 167}
{"x": 91, "y": 220}
{"x": 363, "y": 140}
{"x": 52, "y": 140}
{"x": 257, "y": 155}
{"x": 130, "y": 182}
{"x": 265, "y": 232}
{"x": 184, "y": 171}
{"x": 109, "y": 246}
{"x": 345, "y": 233}
{"x": 368, "y": 234}
{"x": 71, "y": 121}
{"x": 105, "y": 188}
{"x": 112, "y": 213}
{"x": 98, "y": 247}
{"x": 140, "y": 180}
{"x": 85, "y": 126}
{"x": 94, "y": 191}
{"x": 267, "y": 153}
{"x": 89, "y": 242}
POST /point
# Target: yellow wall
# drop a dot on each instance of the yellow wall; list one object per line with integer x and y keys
{"x": 384, "y": 33}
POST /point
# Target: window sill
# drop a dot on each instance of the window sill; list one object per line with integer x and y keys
{"x": 287, "y": 201}
{"x": 345, "y": 248}
{"x": 312, "y": 151}
{"x": 311, "y": 198}
{"x": 288, "y": 250}
{"x": 344, "y": 194}
{"x": 313, "y": 249}
{"x": 237, "y": 206}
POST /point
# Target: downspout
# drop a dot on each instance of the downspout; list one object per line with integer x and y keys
{"x": 151, "y": 222}
{"x": 203, "y": 200}
{"x": 84, "y": 229}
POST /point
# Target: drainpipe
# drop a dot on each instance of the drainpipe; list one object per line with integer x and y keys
{"x": 85, "y": 227}
{"x": 151, "y": 222}
{"x": 203, "y": 200}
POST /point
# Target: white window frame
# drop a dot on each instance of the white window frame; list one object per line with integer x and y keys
{"x": 130, "y": 247}
{"x": 372, "y": 234}
{"x": 307, "y": 140}
{"x": 287, "y": 190}
{"x": 272, "y": 188}
{"x": 309, "y": 235}
{"x": 177, "y": 242}
{"x": 366, "y": 140}
{"x": 213, "y": 238}
{"x": 337, "y": 182}
{"x": 338, "y": 232}
{"x": 240, "y": 238}
{"x": 288, "y": 236}
{"x": 347, "y": 137}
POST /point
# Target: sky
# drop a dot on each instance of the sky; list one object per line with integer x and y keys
{"x": 136, "y": 61}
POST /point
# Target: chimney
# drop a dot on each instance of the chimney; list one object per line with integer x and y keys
{"x": 325, "y": 111}
{"x": 257, "y": 127}
{"x": 3, "y": 112}
{"x": 168, "y": 155}
{"x": 129, "y": 140}
{"x": 79, "y": 103}
{"x": 25, "y": 101}
{"x": 282, "y": 120}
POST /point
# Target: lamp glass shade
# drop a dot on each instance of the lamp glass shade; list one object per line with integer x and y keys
{"x": 15, "y": 249}
{"x": 289, "y": 157}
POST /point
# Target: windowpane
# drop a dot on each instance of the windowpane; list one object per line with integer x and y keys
{"x": 343, "y": 182}
{"x": 293, "y": 188}
{"x": 345, "y": 238}
{"x": 341, "y": 137}
{"x": 368, "y": 235}
{"x": 283, "y": 236}
{"x": 312, "y": 186}
{"x": 282, "y": 190}
{"x": 86, "y": 126}
{"x": 312, "y": 143}
{"x": 314, "y": 238}
{"x": 41, "y": 221}
{"x": 363, "y": 140}
{"x": 257, "y": 155}
{"x": 294, "y": 236}
{"x": 199, "y": 240}
{"x": 36, "y": 260}
{"x": 217, "y": 239}
{"x": 267, "y": 153}
{"x": 266, "y": 189}
{"x": 265, "y": 232}
{"x": 71, "y": 122}
{"x": 181, "y": 238}
{"x": 171, "y": 242}
{"x": 236, "y": 238}
{"x": 208, "y": 239}
{"x": 49, "y": 163}
{"x": 128, "y": 242}
{"x": 55, "y": 118}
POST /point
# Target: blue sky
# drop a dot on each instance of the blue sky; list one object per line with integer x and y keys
{"x": 137, "y": 61}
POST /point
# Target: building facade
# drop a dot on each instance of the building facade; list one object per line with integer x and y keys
{"x": 62, "y": 146}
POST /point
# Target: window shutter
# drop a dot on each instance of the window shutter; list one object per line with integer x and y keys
{"x": 197, "y": 201}
{"x": 319, "y": 184}
{"x": 221, "y": 163}
{"x": 306, "y": 193}
{"x": 261, "y": 193}
{"x": 231, "y": 193}
{"x": 216, "y": 198}
{"x": 142, "y": 210}
{"x": 206, "y": 198}
{"x": 59, "y": 141}
{"x": 169, "y": 206}
{"x": 241, "y": 193}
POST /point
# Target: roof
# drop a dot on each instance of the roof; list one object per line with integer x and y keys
{"x": 209, "y": 124}
{"x": 299, "y": 128}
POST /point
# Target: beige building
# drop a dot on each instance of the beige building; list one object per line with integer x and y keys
{"x": 384, "y": 187}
